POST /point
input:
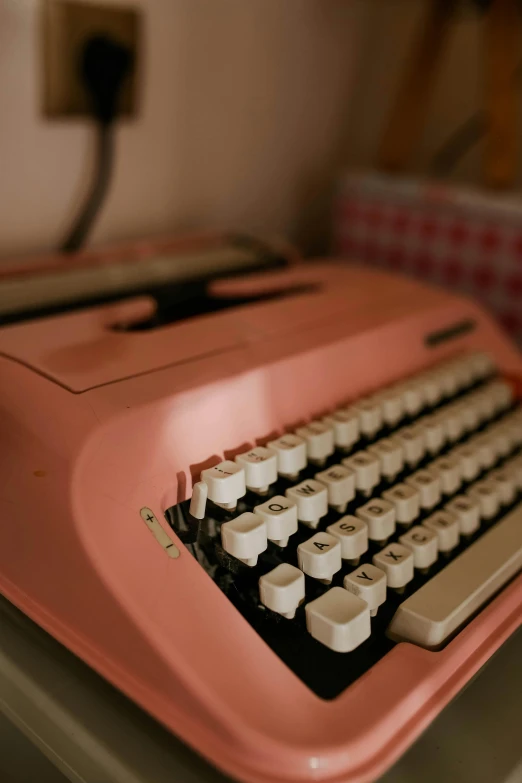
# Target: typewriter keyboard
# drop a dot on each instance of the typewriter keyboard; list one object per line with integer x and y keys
{"x": 395, "y": 518}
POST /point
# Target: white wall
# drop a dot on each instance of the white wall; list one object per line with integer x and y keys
{"x": 244, "y": 116}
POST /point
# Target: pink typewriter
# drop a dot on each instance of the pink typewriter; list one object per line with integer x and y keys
{"x": 280, "y": 507}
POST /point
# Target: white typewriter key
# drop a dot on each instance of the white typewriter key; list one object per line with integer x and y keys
{"x": 446, "y": 526}
{"x": 339, "y": 620}
{"x": 468, "y": 371}
{"x": 469, "y": 415}
{"x": 424, "y": 545}
{"x": 448, "y": 379}
{"x": 345, "y": 423}
{"x": 473, "y": 403}
{"x": 369, "y": 583}
{"x": 505, "y": 485}
{"x": 485, "y": 403}
{"x": 282, "y": 589}
{"x": 513, "y": 423}
{"x": 406, "y": 500}
{"x": 448, "y": 470}
{"x": 311, "y": 499}
{"x": 467, "y": 458}
{"x": 502, "y": 394}
{"x": 450, "y": 368}
{"x": 198, "y": 501}
{"x": 500, "y": 440}
{"x": 391, "y": 406}
{"x": 484, "y": 450}
{"x": 320, "y": 556}
{"x": 489, "y": 437}
{"x": 487, "y": 495}
{"x": 290, "y": 451}
{"x": 320, "y": 443}
{"x": 280, "y": 516}
{"x": 463, "y": 372}
{"x": 458, "y": 366}
{"x": 412, "y": 399}
{"x": 430, "y": 388}
{"x": 431, "y": 615}
{"x": 427, "y": 484}
{"x": 491, "y": 402}
{"x": 396, "y": 561}
{"x": 352, "y": 535}
{"x": 244, "y": 537}
{"x": 467, "y": 512}
{"x": 459, "y": 371}
{"x": 413, "y": 443}
{"x": 467, "y": 359}
{"x": 370, "y": 415}
{"x": 474, "y": 400}
{"x": 514, "y": 467}
{"x": 511, "y": 429}
{"x": 340, "y": 484}
{"x": 260, "y": 466}
{"x": 440, "y": 376}
{"x": 390, "y": 455}
{"x": 482, "y": 365}
{"x": 452, "y": 422}
{"x": 225, "y": 482}
{"x": 434, "y": 435}
{"x": 379, "y": 515}
{"x": 367, "y": 470}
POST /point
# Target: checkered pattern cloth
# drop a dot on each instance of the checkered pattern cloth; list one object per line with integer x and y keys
{"x": 462, "y": 239}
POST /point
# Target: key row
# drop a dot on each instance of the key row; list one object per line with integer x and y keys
{"x": 318, "y": 440}
{"x": 260, "y": 467}
{"x": 363, "y": 471}
{"x": 331, "y": 618}
{"x": 390, "y": 405}
{"x": 247, "y": 536}
{"x": 340, "y": 618}
{"x": 288, "y": 455}
{"x": 321, "y": 556}
{"x": 342, "y": 622}
{"x": 308, "y": 501}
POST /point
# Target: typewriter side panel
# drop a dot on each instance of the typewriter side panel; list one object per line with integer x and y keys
{"x": 277, "y": 723}
{"x": 77, "y": 556}
{"x": 45, "y": 568}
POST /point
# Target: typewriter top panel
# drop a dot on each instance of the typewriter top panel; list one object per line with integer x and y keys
{"x": 90, "y": 348}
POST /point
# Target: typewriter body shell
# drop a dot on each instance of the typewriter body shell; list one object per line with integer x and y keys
{"x": 98, "y": 423}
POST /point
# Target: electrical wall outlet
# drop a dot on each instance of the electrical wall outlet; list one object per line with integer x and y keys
{"x": 67, "y": 25}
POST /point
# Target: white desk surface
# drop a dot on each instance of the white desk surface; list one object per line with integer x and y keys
{"x": 93, "y": 734}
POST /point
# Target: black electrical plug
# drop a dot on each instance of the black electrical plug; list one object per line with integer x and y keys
{"x": 104, "y": 65}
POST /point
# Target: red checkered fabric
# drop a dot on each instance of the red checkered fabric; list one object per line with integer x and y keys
{"x": 461, "y": 239}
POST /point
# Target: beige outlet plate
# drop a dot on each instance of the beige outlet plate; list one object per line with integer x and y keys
{"x": 67, "y": 24}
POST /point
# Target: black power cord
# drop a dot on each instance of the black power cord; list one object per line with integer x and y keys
{"x": 104, "y": 65}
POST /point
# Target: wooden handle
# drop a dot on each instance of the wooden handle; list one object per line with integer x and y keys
{"x": 502, "y": 40}
{"x": 409, "y": 109}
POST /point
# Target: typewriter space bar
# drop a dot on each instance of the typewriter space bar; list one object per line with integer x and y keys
{"x": 439, "y": 608}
